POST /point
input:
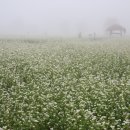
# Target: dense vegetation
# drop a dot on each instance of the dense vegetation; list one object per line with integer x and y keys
{"x": 65, "y": 84}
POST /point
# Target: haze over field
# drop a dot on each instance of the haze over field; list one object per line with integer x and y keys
{"x": 64, "y": 65}
{"x": 61, "y": 17}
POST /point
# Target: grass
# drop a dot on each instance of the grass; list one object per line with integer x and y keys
{"x": 65, "y": 84}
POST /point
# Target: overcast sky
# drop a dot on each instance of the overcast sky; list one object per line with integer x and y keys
{"x": 61, "y": 17}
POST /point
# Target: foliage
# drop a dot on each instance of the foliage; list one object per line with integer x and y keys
{"x": 65, "y": 85}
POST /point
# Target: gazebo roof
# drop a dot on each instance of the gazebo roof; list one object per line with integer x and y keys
{"x": 115, "y": 27}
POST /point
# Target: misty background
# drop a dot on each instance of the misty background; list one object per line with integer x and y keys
{"x": 61, "y": 17}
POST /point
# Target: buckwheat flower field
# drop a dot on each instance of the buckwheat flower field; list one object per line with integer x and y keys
{"x": 66, "y": 84}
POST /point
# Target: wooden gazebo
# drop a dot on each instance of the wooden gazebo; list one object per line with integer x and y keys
{"x": 116, "y": 29}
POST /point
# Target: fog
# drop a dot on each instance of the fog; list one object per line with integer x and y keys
{"x": 61, "y": 17}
